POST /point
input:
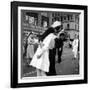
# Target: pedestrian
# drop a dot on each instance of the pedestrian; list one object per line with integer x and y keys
{"x": 25, "y": 44}
{"x": 30, "y": 48}
{"x": 59, "y": 42}
{"x": 75, "y": 46}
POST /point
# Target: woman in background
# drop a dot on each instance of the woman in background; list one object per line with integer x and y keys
{"x": 30, "y": 48}
{"x": 75, "y": 46}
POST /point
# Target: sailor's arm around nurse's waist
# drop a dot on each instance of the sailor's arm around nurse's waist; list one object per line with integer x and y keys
{"x": 46, "y": 44}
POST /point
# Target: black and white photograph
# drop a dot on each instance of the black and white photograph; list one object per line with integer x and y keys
{"x": 50, "y": 44}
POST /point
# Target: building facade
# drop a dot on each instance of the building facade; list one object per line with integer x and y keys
{"x": 39, "y": 21}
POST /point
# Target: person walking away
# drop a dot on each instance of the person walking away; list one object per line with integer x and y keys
{"x": 75, "y": 47}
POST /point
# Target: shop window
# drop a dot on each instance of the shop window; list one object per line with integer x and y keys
{"x": 68, "y": 26}
{"x": 68, "y": 17}
{"x": 32, "y": 18}
{"x": 61, "y": 18}
{"x": 44, "y": 21}
{"x": 64, "y": 17}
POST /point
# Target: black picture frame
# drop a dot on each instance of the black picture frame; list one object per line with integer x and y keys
{"x": 14, "y": 43}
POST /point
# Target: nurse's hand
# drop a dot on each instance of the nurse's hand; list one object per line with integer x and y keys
{"x": 38, "y": 56}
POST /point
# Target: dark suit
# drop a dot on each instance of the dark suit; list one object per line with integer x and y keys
{"x": 52, "y": 70}
{"x": 59, "y": 46}
{"x": 52, "y": 52}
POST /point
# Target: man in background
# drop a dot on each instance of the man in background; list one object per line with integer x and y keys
{"x": 59, "y": 42}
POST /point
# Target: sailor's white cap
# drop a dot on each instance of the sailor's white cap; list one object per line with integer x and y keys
{"x": 55, "y": 24}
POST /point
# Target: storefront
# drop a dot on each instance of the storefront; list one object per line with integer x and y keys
{"x": 38, "y": 21}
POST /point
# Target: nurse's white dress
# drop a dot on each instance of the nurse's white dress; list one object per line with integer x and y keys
{"x": 43, "y": 63}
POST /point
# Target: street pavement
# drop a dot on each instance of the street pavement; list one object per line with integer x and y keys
{"x": 68, "y": 65}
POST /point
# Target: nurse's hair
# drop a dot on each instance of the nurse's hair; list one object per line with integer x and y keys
{"x": 46, "y": 33}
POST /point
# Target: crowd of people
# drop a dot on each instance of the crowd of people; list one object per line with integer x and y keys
{"x": 42, "y": 52}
